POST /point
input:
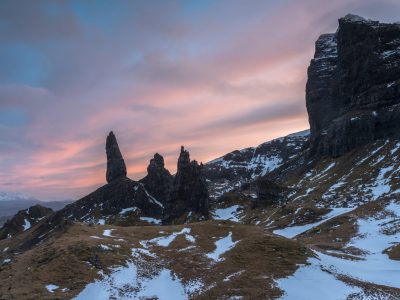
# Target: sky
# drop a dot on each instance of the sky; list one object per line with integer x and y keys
{"x": 214, "y": 76}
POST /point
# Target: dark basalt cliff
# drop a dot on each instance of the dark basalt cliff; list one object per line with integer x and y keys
{"x": 353, "y": 88}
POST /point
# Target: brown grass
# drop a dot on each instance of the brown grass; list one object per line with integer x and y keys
{"x": 71, "y": 260}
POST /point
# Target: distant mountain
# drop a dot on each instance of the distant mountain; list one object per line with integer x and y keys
{"x": 14, "y": 196}
{"x": 11, "y": 203}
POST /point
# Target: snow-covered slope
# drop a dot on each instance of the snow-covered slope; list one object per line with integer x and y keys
{"x": 347, "y": 210}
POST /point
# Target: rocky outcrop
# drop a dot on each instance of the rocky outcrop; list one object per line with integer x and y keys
{"x": 189, "y": 189}
{"x": 268, "y": 193}
{"x": 113, "y": 200}
{"x": 158, "y": 181}
{"x": 353, "y": 88}
{"x": 24, "y": 220}
{"x": 115, "y": 163}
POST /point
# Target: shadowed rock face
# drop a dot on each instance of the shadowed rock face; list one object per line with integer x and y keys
{"x": 268, "y": 193}
{"x": 158, "y": 181}
{"x": 189, "y": 190}
{"x": 353, "y": 88}
{"x": 115, "y": 163}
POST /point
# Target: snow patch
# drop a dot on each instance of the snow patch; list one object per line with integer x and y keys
{"x": 165, "y": 241}
{"x": 151, "y": 220}
{"x": 125, "y": 210}
{"x": 228, "y": 213}
{"x": 107, "y": 232}
{"x": 104, "y": 247}
{"x": 382, "y": 184}
{"x": 222, "y": 246}
{"x": 26, "y": 224}
{"x": 52, "y": 287}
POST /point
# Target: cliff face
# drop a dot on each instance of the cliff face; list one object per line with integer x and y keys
{"x": 353, "y": 88}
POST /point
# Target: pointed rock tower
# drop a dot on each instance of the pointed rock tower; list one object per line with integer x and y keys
{"x": 189, "y": 189}
{"x": 115, "y": 162}
{"x": 158, "y": 181}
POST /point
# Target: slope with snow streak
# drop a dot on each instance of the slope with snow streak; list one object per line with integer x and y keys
{"x": 292, "y": 231}
{"x": 375, "y": 235}
{"x": 367, "y": 174}
{"x": 361, "y": 267}
{"x": 310, "y": 282}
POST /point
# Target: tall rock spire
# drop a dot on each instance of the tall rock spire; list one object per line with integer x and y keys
{"x": 189, "y": 189}
{"x": 115, "y": 162}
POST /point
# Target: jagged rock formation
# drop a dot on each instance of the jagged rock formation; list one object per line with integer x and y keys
{"x": 24, "y": 220}
{"x": 158, "y": 181}
{"x": 115, "y": 162}
{"x": 126, "y": 202}
{"x": 189, "y": 189}
{"x": 121, "y": 201}
{"x": 353, "y": 88}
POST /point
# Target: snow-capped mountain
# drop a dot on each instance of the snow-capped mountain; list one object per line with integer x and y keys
{"x": 15, "y": 196}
